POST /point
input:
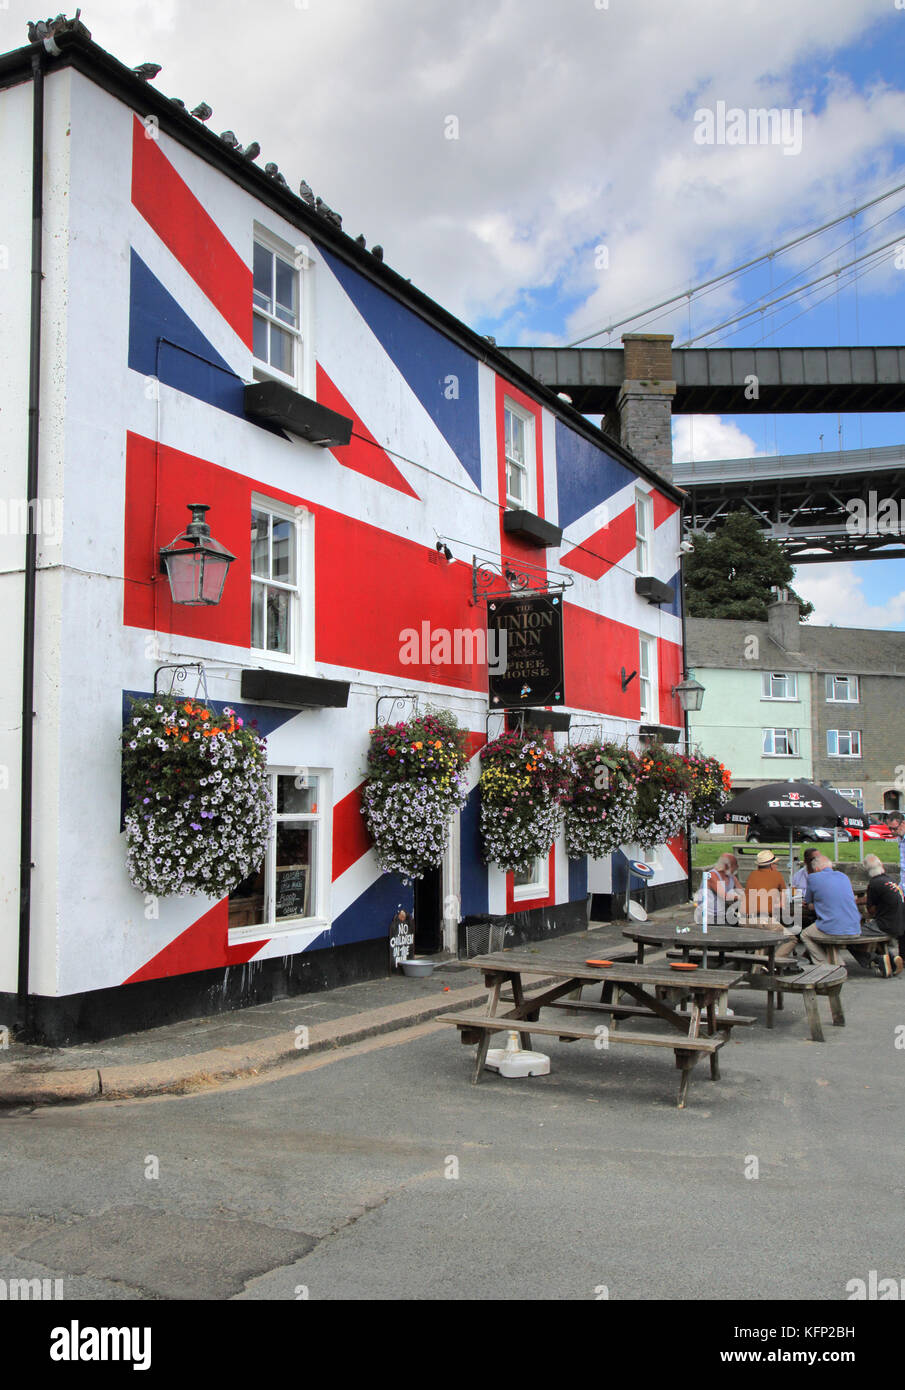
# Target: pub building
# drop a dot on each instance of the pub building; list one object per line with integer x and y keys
{"x": 208, "y": 339}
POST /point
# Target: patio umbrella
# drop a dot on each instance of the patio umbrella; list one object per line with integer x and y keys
{"x": 782, "y": 806}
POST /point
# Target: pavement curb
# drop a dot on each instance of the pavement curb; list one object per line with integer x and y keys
{"x": 202, "y": 1070}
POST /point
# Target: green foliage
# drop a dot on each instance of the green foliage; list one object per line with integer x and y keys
{"x": 731, "y": 572}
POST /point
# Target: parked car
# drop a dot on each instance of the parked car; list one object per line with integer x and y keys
{"x": 802, "y": 834}
{"x": 878, "y": 830}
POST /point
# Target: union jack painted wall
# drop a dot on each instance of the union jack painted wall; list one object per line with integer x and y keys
{"x": 150, "y": 336}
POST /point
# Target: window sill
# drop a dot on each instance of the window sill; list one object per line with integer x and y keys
{"x": 529, "y": 891}
{"x": 312, "y": 927}
{"x": 518, "y": 521}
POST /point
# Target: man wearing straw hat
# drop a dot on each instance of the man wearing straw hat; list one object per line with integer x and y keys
{"x": 766, "y": 899}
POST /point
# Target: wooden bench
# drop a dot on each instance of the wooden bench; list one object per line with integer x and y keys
{"x": 473, "y": 1026}
{"x": 816, "y": 979}
{"x": 634, "y": 1011}
{"x": 873, "y": 944}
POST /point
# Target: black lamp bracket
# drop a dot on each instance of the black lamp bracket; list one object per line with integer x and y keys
{"x": 627, "y": 680}
{"x": 496, "y": 579}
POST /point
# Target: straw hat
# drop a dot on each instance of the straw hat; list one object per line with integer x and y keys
{"x": 765, "y": 857}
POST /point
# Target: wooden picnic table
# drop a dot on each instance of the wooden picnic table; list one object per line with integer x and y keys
{"x": 704, "y": 988}
{"x": 716, "y": 941}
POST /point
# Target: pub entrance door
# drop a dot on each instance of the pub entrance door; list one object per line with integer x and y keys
{"x": 429, "y": 913}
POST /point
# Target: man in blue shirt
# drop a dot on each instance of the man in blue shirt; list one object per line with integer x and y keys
{"x": 833, "y": 897}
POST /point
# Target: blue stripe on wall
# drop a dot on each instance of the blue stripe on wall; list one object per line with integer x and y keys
{"x": 427, "y": 359}
{"x": 473, "y": 880}
{"x": 578, "y": 879}
{"x": 676, "y": 606}
{"x": 155, "y": 314}
{"x": 586, "y": 475}
{"x": 371, "y": 914}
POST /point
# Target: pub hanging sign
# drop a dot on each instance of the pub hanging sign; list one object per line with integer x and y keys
{"x": 528, "y": 641}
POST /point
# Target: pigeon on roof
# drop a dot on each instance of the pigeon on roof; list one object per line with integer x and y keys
{"x": 274, "y": 171}
{"x": 306, "y": 193}
{"x": 147, "y": 70}
{"x": 229, "y": 138}
{"x": 360, "y": 241}
{"x": 327, "y": 213}
{"x": 377, "y": 252}
{"x": 177, "y": 101}
{"x": 252, "y": 151}
{"x": 202, "y": 111}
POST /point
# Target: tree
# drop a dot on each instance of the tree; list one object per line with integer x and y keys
{"x": 731, "y": 572}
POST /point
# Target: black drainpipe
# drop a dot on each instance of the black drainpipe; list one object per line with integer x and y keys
{"x": 31, "y": 542}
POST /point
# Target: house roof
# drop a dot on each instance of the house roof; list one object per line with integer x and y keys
{"x": 722, "y": 644}
{"x": 76, "y": 49}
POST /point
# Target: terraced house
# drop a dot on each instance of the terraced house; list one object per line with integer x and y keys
{"x": 788, "y": 699}
{"x": 180, "y": 329}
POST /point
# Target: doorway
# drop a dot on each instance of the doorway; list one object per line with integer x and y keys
{"x": 428, "y": 908}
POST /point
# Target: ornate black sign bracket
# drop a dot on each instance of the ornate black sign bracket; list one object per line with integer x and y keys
{"x": 504, "y": 578}
{"x": 587, "y": 733}
{"x": 178, "y": 677}
{"x": 400, "y": 706}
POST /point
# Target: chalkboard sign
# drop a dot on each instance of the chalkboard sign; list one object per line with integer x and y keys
{"x": 292, "y": 892}
{"x": 402, "y": 938}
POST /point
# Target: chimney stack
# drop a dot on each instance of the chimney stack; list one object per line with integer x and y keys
{"x": 783, "y": 621}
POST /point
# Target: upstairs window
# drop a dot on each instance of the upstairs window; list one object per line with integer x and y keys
{"x": 518, "y": 435}
{"x": 647, "y": 679}
{"x": 643, "y": 508}
{"x": 277, "y": 316}
{"x": 843, "y": 743}
{"x": 842, "y": 690}
{"x": 780, "y": 743}
{"x": 780, "y": 686}
{"x": 274, "y": 581}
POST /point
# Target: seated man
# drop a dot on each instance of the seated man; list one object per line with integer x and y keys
{"x": 883, "y": 903}
{"x": 833, "y": 897}
{"x": 765, "y": 891}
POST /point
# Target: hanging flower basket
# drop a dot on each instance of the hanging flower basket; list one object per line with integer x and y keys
{"x": 601, "y": 815}
{"x": 200, "y": 809}
{"x": 416, "y": 781}
{"x": 524, "y": 785}
{"x": 710, "y": 786}
{"x": 664, "y": 796}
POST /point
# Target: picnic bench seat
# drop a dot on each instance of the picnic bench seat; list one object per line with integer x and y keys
{"x": 633, "y": 1011}
{"x": 473, "y": 1026}
{"x": 873, "y": 942}
{"x": 816, "y": 979}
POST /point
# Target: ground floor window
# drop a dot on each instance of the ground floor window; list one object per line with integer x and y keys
{"x": 290, "y": 885}
{"x": 533, "y": 882}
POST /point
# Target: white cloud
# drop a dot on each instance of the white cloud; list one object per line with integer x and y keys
{"x": 576, "y": 128}
{"x": 837, "y": 592}
{"x": 700, "y": 437}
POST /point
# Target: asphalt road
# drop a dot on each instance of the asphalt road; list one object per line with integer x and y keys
{"x": 381, "y": 1172}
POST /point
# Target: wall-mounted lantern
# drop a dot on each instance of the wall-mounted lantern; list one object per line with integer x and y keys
{"x": 195, "y": 563}
{"x": 690, "y": 693}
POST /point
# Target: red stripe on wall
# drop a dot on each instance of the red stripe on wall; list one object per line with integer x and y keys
{"x": 607, "y": 547}
{"x": 202, "y": 946}
{"x": 669, "y": 667}
{"x": 168, "y": 205}
{"x": 160, "y": 482}
{"x": 678, "y": 849}
{"x": 375, "y": 589}
{"x": 663, "y": 508}
{"x": 595, "y": 648}
{"x": 350, "y": 836}
{"x": 362, "y": 453}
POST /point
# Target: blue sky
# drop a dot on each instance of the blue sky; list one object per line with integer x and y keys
{"x": 492, "y": 146}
